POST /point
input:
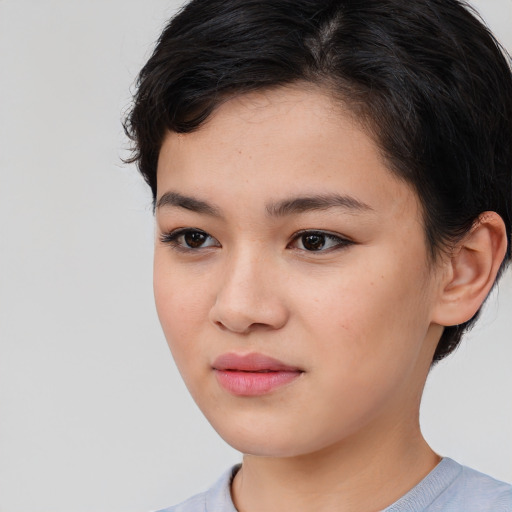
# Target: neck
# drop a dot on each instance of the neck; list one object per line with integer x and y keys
{"x": 366, "y": 474}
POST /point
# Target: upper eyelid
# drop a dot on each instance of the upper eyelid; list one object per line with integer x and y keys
{"x": 178, "y": 231}
{"x": 324, "y": 232}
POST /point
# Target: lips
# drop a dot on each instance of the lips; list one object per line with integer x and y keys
{"x": 253, "y": 374}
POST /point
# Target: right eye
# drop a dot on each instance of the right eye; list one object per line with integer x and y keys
{"x": 189, "y": 239}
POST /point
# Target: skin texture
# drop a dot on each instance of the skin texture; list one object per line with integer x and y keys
{"x": 359, "y": 318}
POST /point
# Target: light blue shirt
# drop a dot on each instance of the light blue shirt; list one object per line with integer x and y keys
{"x": 449, "y": 487}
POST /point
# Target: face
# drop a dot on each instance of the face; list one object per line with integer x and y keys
{"x": 291, "y": 275}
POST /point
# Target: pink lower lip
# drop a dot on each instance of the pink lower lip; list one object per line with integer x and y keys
{"x": 247, "y": 383}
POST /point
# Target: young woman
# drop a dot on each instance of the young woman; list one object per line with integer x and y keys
{"x": 333, "y": 196}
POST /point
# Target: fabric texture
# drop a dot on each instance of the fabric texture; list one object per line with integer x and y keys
{"x": 449, "y": 487}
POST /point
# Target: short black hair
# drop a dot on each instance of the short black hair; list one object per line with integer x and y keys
{"x": 426, "y": 78}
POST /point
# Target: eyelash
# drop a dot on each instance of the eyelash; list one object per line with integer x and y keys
{"x": 173, "y": 239}
{"x": 340, "y": 241}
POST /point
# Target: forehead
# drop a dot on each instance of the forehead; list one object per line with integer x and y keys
{"x": 285, "y": 141}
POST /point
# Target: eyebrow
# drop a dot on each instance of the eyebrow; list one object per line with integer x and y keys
{"x": 318, "y": 202}
{"x": 292, "y": 206}
{"x": 174, "y": 199}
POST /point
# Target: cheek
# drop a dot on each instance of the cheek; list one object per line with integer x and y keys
{"x": 367, "y": 312}
{"x": 180, "y": 305}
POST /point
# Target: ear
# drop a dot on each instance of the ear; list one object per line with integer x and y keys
{"x": 471, "y": 270}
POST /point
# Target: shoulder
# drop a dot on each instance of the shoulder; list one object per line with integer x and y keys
{"x": 451, "y": 486}
{"x": 215, "y": 499}
{"x": 480, "y": 492}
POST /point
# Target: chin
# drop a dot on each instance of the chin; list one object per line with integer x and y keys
{"x": 266, "y": 442}
{"x": 266, "y": 448}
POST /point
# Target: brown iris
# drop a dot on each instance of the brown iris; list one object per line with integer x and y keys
{"x": 313, "y": 241}
{"x": 195, "y": 239}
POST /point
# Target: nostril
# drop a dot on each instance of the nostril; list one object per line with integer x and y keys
{"x": 220, "y": 325}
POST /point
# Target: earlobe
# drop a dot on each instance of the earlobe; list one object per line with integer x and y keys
{"x": 472, "y": 270}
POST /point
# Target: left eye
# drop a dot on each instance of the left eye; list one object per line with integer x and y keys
{"x": 318, "y": 241}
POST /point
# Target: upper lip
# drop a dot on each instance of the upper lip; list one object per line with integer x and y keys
{"x": 252, "y": 362}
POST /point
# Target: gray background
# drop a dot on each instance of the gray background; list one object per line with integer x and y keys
{"x": 93, "y": 415}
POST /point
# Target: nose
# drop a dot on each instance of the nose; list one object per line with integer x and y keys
{"x": 249, "y": 296}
